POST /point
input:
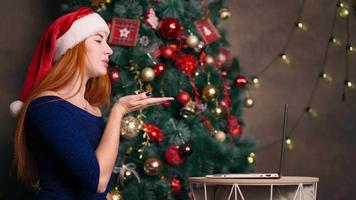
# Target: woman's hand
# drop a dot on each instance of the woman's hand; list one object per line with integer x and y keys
{"x": 135, "y": 102}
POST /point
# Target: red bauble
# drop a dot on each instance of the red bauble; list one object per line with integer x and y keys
{"x": 186, "y": 63}
{"x": 234, "y": 127}
{"x": 241, "y": 81}
{"x": 166, "y": 104}
{"x": 114, "y": 74}
{"x": 173, "y": 156}
{"x": 153, "y": 132}
{"x": 159, "y": 68}
{"x": 183, "y": 97}
{"x": 170, "y": 28}
{"x": 167, "y": 52}
{"x": 176, "y": 186}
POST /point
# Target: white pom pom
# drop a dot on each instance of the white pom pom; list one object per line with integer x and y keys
{"x": 15, "y": 107}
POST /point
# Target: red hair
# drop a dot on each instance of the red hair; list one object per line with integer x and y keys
{"x": 97, "y": 93}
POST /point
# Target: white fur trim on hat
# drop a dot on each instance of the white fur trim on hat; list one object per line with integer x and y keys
{"x": 15, "y": 107}
{"x": 80, "y": 29}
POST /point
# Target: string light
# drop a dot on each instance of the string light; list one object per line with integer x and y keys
{"x": 349, "y": 85}
{"x": 335, "y": 41}
{"x": 251, "y": 158}
{"x": 326, "y": 77}
{"x": 284, "y": 58}
{"x": 302, "y": 26}
{"x": 311, "y": 111}
{"x": 289, "y": 143}
{"x": 255, "y": 82}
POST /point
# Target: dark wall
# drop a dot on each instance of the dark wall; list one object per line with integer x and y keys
{"x": 20, "y": 28}
{"x": 324, "y": 146}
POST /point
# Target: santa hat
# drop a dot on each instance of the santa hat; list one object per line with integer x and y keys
{"x": 63, "y": 34}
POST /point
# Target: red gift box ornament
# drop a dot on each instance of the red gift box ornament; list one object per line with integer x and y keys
{"x": 124, "y": 32}
{"x": 207, "y": 30}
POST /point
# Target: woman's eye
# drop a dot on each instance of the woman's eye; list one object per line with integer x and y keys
{"x": 98, "y": 41}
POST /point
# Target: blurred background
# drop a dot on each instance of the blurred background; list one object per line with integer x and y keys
{"x": 322, "y": 125}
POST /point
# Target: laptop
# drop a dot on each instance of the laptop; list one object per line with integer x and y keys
{"x": 262, "y": 175}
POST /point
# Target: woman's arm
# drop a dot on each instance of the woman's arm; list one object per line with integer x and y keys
{"x": 108, "y": 148}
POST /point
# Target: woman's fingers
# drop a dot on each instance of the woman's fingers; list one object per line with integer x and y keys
{"x": 149, "y": 102}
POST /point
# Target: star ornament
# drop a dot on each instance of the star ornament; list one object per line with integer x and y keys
{"x": 124, "y": 32}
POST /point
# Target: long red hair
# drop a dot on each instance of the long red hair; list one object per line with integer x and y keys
{"x": 97, "y": 93}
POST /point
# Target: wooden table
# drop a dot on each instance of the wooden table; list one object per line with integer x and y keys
{"x": 236, "y": 183}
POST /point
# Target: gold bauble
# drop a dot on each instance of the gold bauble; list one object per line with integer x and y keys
{"x": 147, "y": 74}
{"x": 117, "y": 194}
{"x": 224, "y": 13}
{"x": 220, "y": 136}
{"x": 344, "y": 12}
{"x": 209, "y": 60}
{"x": 209, "y": 92}
{"x": 192, "y": 41}
{"x": 217, "y": 111}
{"x": 153, "y": 166}
{"x": 249, "y": 102}
{"x": 130, "y": 126}
{"x": 108, "y": 1}
{"x": 188, "y": 109}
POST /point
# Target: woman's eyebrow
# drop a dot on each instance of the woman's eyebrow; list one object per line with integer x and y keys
{"x": 98, "y": 34}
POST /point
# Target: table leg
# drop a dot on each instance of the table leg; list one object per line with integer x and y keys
{"x": 205, "y": 193}
{"x": 315, "y": 188}
{"x": 191, "y": 189}
{"x": 271, "y": 193}
{"x": 296, "y": 192}
{"x": 232, "y": 189}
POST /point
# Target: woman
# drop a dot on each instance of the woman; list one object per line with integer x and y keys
{"x": 61, "y": 139}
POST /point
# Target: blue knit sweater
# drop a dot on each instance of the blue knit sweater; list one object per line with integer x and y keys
{"x": 63, "y": 139}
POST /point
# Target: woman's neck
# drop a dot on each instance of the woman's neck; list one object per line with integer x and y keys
{"x": 75, "y": 89}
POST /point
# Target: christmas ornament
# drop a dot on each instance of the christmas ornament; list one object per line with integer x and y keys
{"x": 241, "y": 81}
{"x": 217, "y": 111}
{"x": 249, "y": 102}
{"x": 147, "y": 74}
{"x": 117, "y": 194}
{"x": 183, "y": 97}
{"x": 176, "y": 186}
{"x": 188, "y": 109}
{"x": 167, "y": 104}
{"x": 186, "y": 63}
{"x": 159, "y": 69}
{"x": 124, "y": 32}
{"x": 209, "y": 92}
{"x": 185, "y": 149}
{"x": 225, "y": 57}
{"x": 219, "y": 136}
{"x": 170, "y": 28}
{"x": 224, "y": 13}
{"x": 144, "y": 40}
{"x": 130, "y": 126}
{"x": 167, "y": 52}
{"x": 234, "y": 126}
{"x": 173, "y": 157}
{"x": 126, "y": 172}
{"x": 192, "y": 41}
{"x": 209, "y": 60}
{"x": 207, "y": 30}
{"x": 153, "y": 166}
{"x": 151, "y": 19}
{"x": 153, "y": 132}
{"x": 114, "y": 74}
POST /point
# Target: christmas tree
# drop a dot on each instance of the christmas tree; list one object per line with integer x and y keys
{"x": 174, "y": 48}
